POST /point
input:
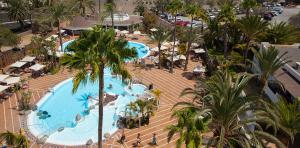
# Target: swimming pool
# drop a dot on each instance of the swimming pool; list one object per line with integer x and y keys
{"x": 142, "y": 50}
{"x": 62, "y": 107}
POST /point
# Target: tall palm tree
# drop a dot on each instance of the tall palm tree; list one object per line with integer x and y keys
{"x": 14, "y": 140}
{"x": 268, "y": 61}
{"x": 248, "y": 5}
{"x": 174, "y": 7}
{"x": 18, "y": 10}
{"x": 192, "y": 10}
{"x": 282, "y": 33}
{"x": 190, "y": 127}
{"x": 83, "y": 4}
{"x": 225, "y": 103}
{"x": 252, "y": 28}
{"x": 93, "y": 51}
{"x": 226, "y": 16}
{"x": 58, "y": 13}
{"x": 160, "y": 36}
{"x": 285, "y": 115}
{"x": 110, "y": 8}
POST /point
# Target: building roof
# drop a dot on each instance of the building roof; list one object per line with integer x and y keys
{"x": 288, "y": 75}
{"x": 83, "y": 23}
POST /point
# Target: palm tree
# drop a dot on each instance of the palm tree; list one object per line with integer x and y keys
{"x": 282, "y": 33}
{"x": 160, "y": 36}
{"x": 110, "y": 8}
{"x": 14, "y": 140}
{"x": 226, "y": 16}
{"x": 190, "y": 127}
{"x": 40, "y": 48}
{"x": 157, "y": 94}
{"x": 18, "y": 10}
{"x": 268, "y": 61}
{"x": 58, "y": 13}
{"x": 83, "y": 4}
{"x": 192, "y": 10}
{"x": 8, "y": 38}
{"x": 285, "y": 115}
{"x": 225, "y": 103}
{"x": 174, "y": 7}
{"x": 252, "y": 28}
{"x": 93, "y": 51}
{"x": 248, "y": 5}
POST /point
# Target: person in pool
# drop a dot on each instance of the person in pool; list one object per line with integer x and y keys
{"x": 110, "y": 86}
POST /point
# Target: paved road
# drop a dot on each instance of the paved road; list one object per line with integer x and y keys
{"x": 287, "y": 13}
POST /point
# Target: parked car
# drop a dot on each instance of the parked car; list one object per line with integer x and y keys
{"x": 182, "y": 23}
{"x": 268, "y": 16}
{"x": 278, "y": 9}
{"x": 275, "y": 13}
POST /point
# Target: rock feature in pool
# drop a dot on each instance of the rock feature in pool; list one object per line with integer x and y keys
{"x": 63, "y": 106}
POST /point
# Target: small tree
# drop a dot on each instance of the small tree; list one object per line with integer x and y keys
{"x": 268, "y": 61}
{"x": 282, "y": 33}
{"x": 14, "y": 140}
{"x": 149, "y": 20}
{"x": 24, "y": 102}
{"x": 8, "y": 38}
{"x": 160, "y": 36}
{"x": 18, "y": 10}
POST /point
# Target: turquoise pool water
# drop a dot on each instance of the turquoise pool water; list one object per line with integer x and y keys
{"x": 142, "y": 49}
{"x": 62, "y": 107}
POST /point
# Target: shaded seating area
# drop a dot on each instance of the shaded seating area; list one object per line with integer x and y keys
{"x": 26, "y": 65}
{"x": 37, "y": 70}
{"x": 17, "y": 68}
{"x": 4, "y": 93}
{"x": 6, "y": 84}
{"x": 197, "y": 52}
{"x": 198, "y": 71}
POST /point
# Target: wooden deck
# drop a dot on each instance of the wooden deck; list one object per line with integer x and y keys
{"x": 171, "y": 86}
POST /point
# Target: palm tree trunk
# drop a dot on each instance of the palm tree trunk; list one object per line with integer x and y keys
{"x": 225, "y": 42}
{"x": 101, "y": 100}
{"x": 99, "y": 6}
{"x": 21, "y": 24}
{"x": 247, "y": 12}
{"x": 208, "y": 62}
{"x": 189, "y": 47}
{"x": 59, "y": 35}
{"x": 174, "y": 40}
{"x": 159, "y": 55}
{"x": 112, "y": 19}
{"x": 83, "y": 11}
{"x": 202, "y": 27}
{"x": 246, "y": 54}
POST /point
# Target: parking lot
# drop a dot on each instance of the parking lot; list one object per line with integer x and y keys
{"x": 287, "y": 13}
